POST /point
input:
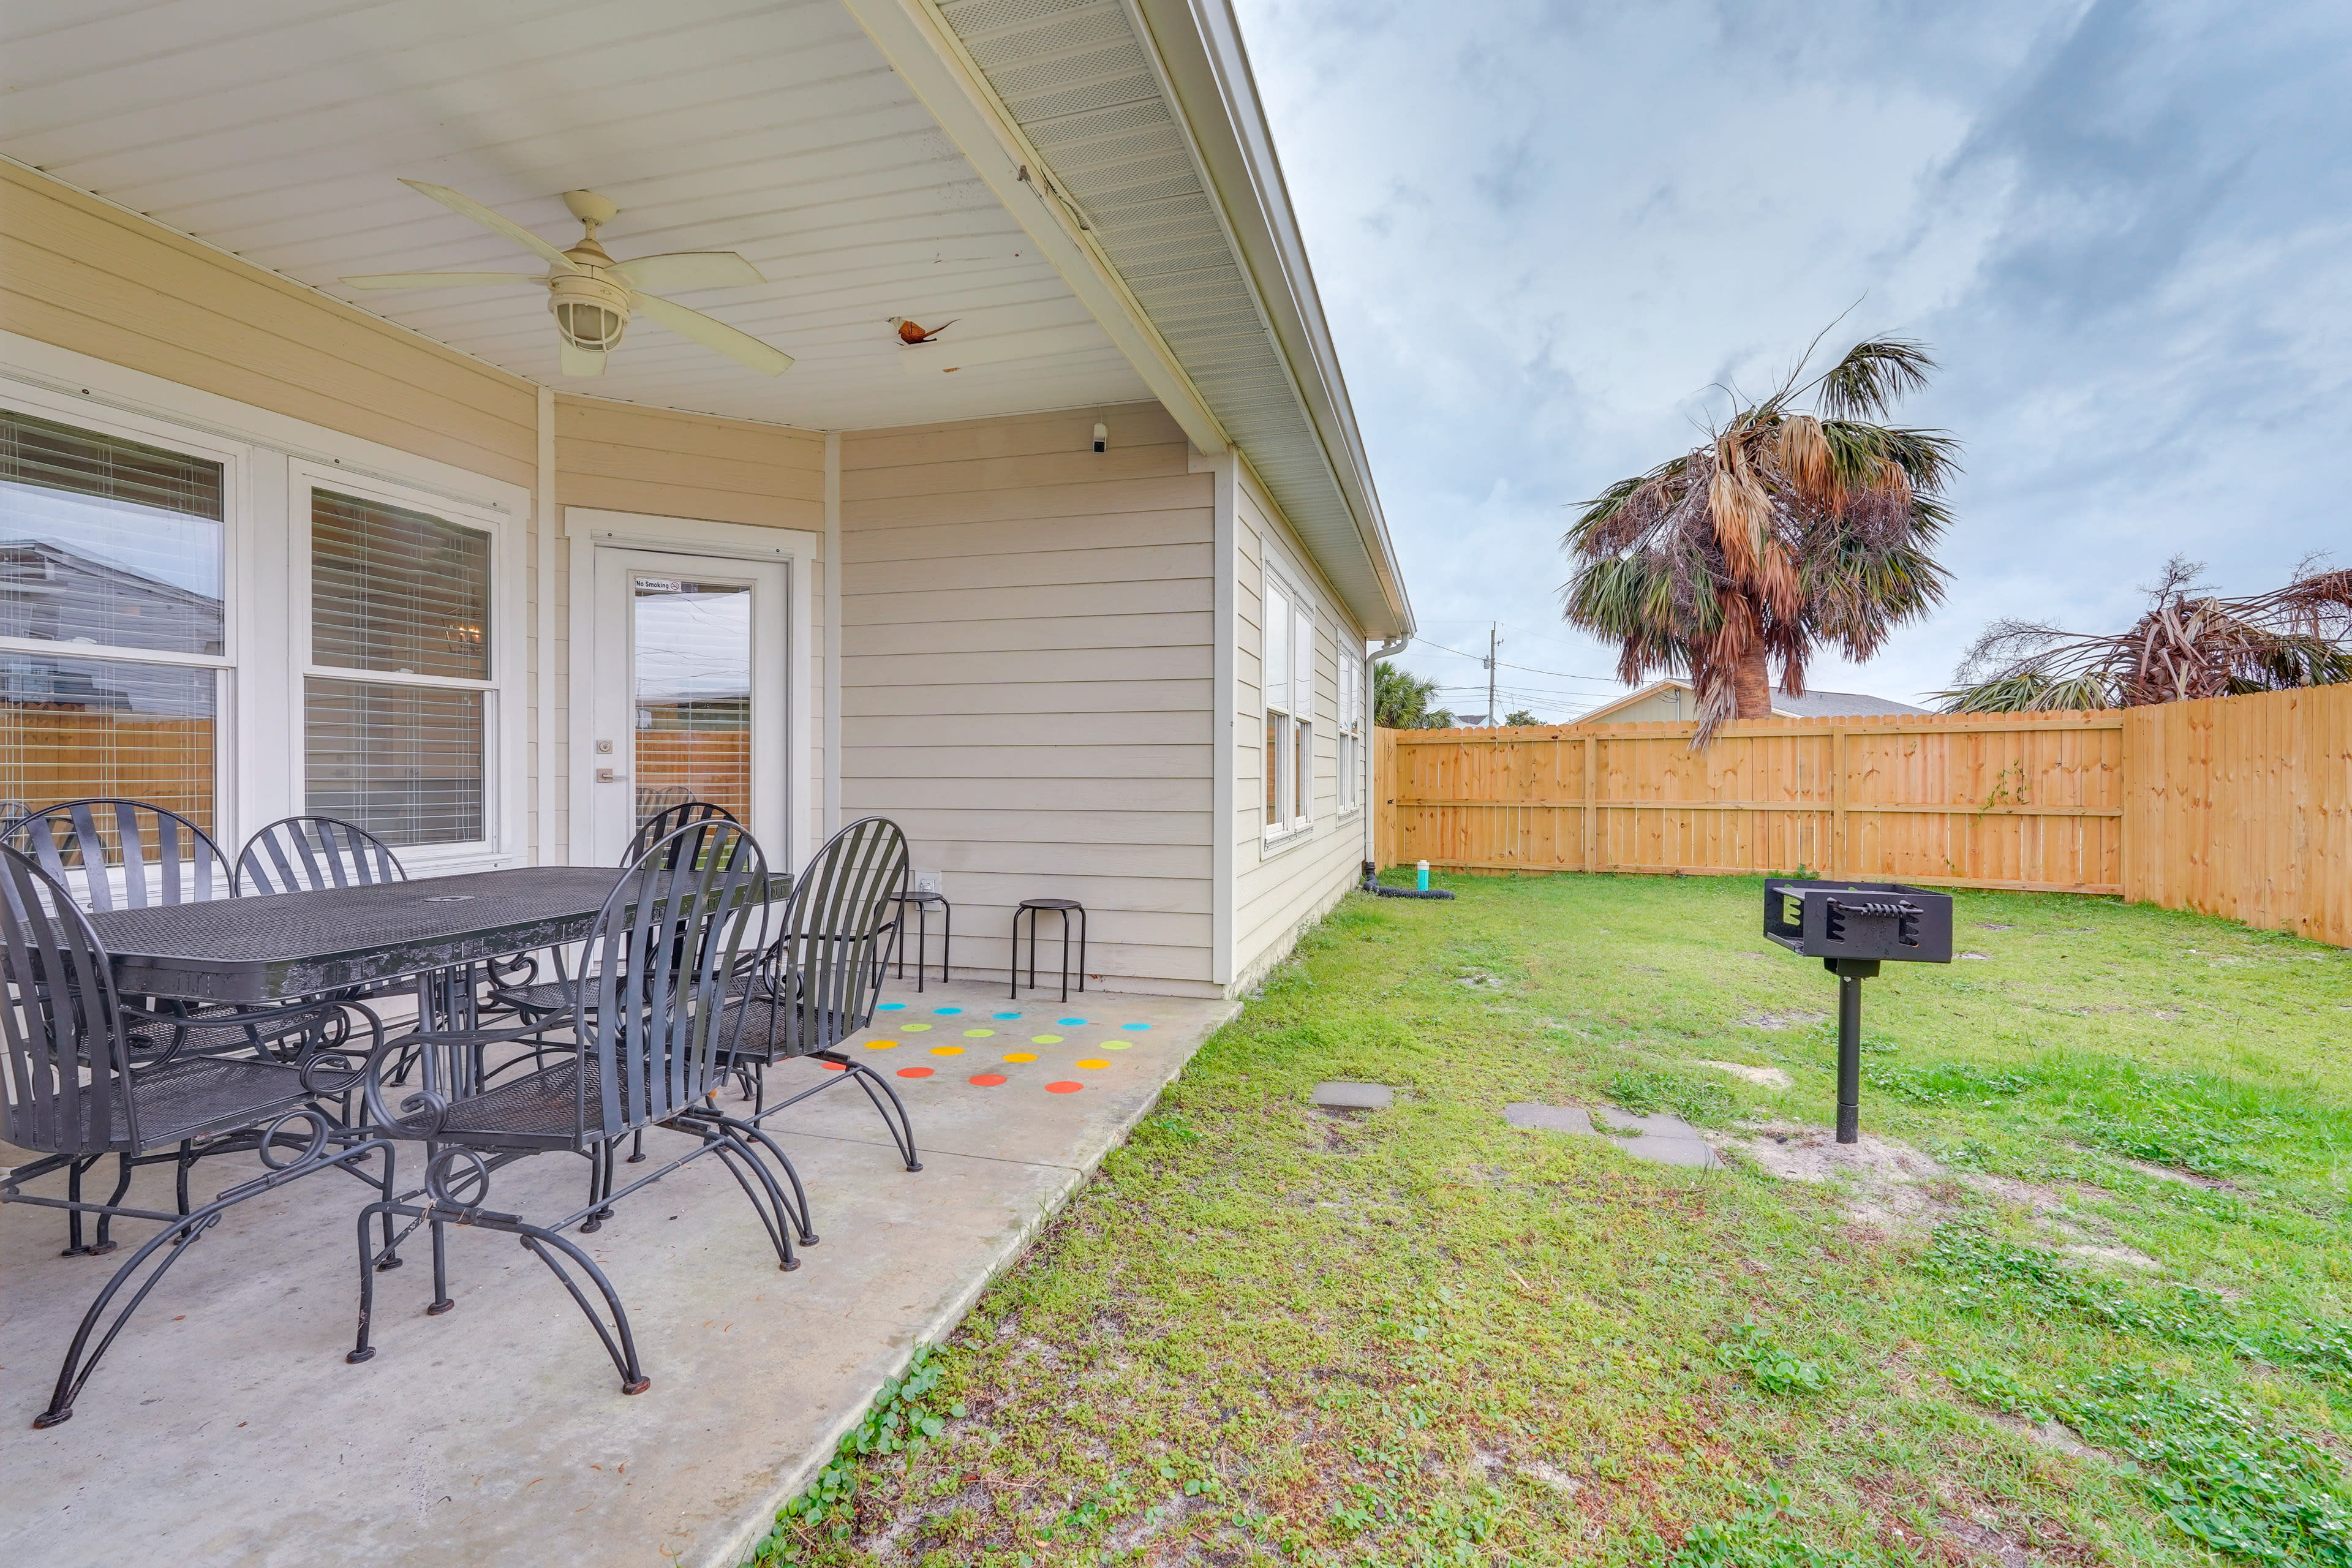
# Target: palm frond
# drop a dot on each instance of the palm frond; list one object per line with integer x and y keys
{"x": 1872, "y": 377}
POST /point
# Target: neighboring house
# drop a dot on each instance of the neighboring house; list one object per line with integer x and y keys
{"x": 1081, "y": 593}
{"x": 1673, "y": 701}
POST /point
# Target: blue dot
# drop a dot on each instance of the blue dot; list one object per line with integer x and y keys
{"x": 889, "y": 1006}
{"x": 1135, "y": 1025}
{"x": 947, "y": 1009}
{"x": 1007, "y": 1015}
{"x": 1071, "y": 1022}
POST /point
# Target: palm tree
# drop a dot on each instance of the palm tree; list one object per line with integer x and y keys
{"x": 1400, "y": 702}
{"x": 1785, "y": 529}
{"x": 2188, "y": 643}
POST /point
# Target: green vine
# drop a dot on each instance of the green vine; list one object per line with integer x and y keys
{"x": 899, "y": 1421}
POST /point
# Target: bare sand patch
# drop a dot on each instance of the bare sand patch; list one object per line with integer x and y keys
{"x": 1762, "y": 1078}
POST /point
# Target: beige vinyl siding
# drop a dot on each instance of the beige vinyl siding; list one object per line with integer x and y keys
{"x": 87, "y": 276}
{"x": 1280, "y": 888}
{"x": 1028, "y": 658}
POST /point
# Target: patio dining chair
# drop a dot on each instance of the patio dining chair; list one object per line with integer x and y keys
{"x": 76, "y": 1091}
{"x": 647, "y": 1008}
{"x": 310, "y": 854}
{"x": 819, "y": 984}
{"x": 122, "y": 854}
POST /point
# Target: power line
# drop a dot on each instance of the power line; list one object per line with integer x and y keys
{"x": 1530, "y": 669}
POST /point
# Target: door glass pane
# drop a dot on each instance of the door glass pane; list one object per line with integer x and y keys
{"x": 396, "y": 590}
{"x": 403, "y": 762}
{"x": 692, "y": 675}
{"x": 71, "y": 728}
{"x": 107, "y": 542}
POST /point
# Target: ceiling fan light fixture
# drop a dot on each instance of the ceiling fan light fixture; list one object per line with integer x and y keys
{"x": 590, "y": 313}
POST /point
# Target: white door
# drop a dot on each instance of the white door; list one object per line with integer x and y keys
{"x": 690, "y": 694}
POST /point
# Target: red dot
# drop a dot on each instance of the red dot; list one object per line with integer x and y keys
{"x": 833, "y": 1067}
{"x": 1065, "y": 1086}
{"x": 988, "y": 1080}
{"x": 914, "y": 1072}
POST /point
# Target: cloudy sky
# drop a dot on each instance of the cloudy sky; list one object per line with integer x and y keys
{"x": 1542, "y": 231}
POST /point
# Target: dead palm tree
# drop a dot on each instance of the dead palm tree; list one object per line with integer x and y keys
{"x": 2190, "y": 643}
{"x": 1788, "y": 528}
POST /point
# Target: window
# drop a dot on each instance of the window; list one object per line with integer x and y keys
{"x": 111, "y": 618}
{"x": 396, "y": 739}
{"x": 1352, "y": 727}
{"x": 1289, "y": 635}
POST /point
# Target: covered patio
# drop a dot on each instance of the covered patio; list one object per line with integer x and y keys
{"x": 225, "y": 1426}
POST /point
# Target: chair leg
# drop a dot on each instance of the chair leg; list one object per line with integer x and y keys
{"x": 441, "y": 1301}
{"x": 1082, "y": 949}
{"x": 625, "y": 1352}
{"x": 74, "y": 1247}
{"x": 106, "y": 1242}
{"x": 1065, "y": 955}
{"x": 902, "y": 1131}
{"x": 77, "y": 1367}
{"x": 637, "y": 1148}
{"x": 779, "y": 1225}
{"x": 1013, "y": 973}
{"x": 947, "y": 937}
{"x": 797, "y": 1205}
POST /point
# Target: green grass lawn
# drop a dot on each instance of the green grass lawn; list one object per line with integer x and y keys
{"x": 2112, "y": 1322}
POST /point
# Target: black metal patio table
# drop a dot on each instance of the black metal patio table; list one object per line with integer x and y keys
{"x": 255, "y": 951}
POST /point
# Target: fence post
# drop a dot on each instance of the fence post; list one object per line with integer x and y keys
{"x": 1838, "y": 856}
{"x": 1592, "y": 796}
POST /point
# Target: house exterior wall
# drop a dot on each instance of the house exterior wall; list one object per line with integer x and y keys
{"x": 1673, "y": 705}
{"x": 1282, "y": 888}
{"x": 1028, "y": 641}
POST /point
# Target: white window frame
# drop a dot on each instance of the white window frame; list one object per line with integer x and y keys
{"x": 1290, "y": 714}
{"x": 506, "y": 626}
{"x": 258, "y": 734}
{"x": 1350, "y": 727}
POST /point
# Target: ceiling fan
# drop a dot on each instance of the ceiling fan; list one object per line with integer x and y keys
{"x": 592, "y": 295}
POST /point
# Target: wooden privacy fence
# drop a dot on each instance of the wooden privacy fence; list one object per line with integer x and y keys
{"x": 2239, "y": 806}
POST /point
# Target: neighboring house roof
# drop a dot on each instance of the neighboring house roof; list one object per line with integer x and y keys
{"x": 1812, "y": 705}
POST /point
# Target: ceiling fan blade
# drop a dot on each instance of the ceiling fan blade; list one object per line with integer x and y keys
{"x": 490, "y": 220}
{"x": 438, "y": 280}
{"x": 690, "y": 269}
{"x": 583, "y": 362}
{"x": 713, "y": 333}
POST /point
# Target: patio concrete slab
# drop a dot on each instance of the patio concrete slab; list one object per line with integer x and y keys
{"x": 225, "y": 1427}
{"x": 1339, "y": 1095}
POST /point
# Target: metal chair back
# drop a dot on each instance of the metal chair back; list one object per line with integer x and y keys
{"x": 307, "y": 854}
{"x": 67, "y": 1053}
{"x": 840, "y": 927}
{"x": 652, "y": 990}
{"x": 87, "y": 844}
{"x": 662, "y": 824}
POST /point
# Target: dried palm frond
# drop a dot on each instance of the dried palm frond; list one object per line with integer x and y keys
{"x": 2188, "y": 644}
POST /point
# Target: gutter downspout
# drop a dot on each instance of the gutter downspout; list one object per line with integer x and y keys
{"x": 1387, "y": 649}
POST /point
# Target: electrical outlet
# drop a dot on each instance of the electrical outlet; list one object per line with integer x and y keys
{"x": 927, "y": 882}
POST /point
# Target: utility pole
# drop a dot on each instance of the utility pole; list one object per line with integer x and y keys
{"x": 1493, "y": 641}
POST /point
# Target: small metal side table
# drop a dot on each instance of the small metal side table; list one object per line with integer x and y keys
{"x": 923, "y": 898}
{"x": 1067, "y": 908}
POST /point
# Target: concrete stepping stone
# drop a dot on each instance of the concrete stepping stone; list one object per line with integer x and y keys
{"x": 1663, "y": 1140}
{"x": 1338, "y": 1095}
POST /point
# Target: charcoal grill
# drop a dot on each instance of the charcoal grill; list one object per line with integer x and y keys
{"x": 1853, "y": 928}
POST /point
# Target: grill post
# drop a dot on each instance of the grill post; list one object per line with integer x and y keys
{"x": 1851, "y": 973}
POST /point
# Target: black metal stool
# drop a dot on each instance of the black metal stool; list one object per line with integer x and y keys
{"x": 1066, "y": 908}
{"x": 923, "y": 899}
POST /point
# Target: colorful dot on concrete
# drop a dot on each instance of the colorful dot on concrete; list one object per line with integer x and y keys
{"x": 833, "y": 1067}
{"x": 947, "y": 1050}
{"x": 891, "y": 1008}
{"x": 881, "y": 1045}
{"x": 1064, "y": 1088}
{"x": 914, "y": 1028}
{"x": 988, "y": 1080}
{"x": 1090, "y": 1063}
{"x": 1008, "y": 1014}
{"x": 978, "y": 1034}
{"x": 1135, "y": 1025}
{"x": 1071, "y": 1022}
{"x": 914, "y": 1072}
{"x": 1118, "y": 1044}
{"x": 947, "y": 1010}
{"x": 1045, "y": 1039}
{"x": 1021, "y": 1057}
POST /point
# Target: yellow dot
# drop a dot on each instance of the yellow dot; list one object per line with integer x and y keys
{"x": 881, "y": 1045}
{"x": 1021, "y": 1057}
{"x": 1045, "y": 1039}
{"x": 978, "y": 1034}
{"x": 913, "y": 1029}
{"x": 947, "y": 1050}
{"x": 1093, "y": 1062}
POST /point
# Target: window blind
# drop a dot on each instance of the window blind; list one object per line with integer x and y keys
{"x": 396, "y": 591}
{"x": 105, "y": 542}
{"x": 403, "y": 762}
{"x": 74, "y": 728}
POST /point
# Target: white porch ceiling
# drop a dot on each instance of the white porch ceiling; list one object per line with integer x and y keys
{"x": 278, "y": 129}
